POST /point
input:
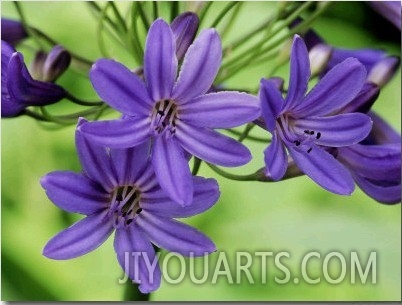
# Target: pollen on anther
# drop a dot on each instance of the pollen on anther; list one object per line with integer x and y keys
{"x": 297, "y": 142}
{"x": 309, "y": 150}
{"x": 318, "y": 135}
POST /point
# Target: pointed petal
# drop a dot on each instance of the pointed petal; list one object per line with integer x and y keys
{"x": 95, "y": 160}
{"x": 27, "y": 91}
{"x": 12, "y": 31}
{"x": 120, "y": 88}
{"x": 211, "y": 146}
{"x": 74, "y": 193}
{"x": 200, "y": 66}
{"x": 221, "y": 110}
{"x": 299, "y": 73}
{"x": 206, "y": 193}
{"x": 336, "y": 131}
{"x": 272, "y": 103}
{"x": 160, "y": 62}
{"x": 276, "y": 160}
{"x": 324, "y": 169}
{"x": 364, "y": 100}
{"x": 184, "y": 28}
{"x": 388, "y": 193}
{"x": 82, "y": 237}
{"x": 335, "y": 90}
{"x": 132, "y": 244}
{"x": 171, "y": 169}
{"x": 130, "y": 163}
{"x": 121, "y": 133}
{"x": 175, "y": 236}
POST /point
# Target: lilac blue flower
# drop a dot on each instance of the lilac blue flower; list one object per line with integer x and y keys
{"x": 118, "y": 191}
{"x": 12, "y": 31}
{"x": 304, "y": 124}
{"x": 178, "y": 115}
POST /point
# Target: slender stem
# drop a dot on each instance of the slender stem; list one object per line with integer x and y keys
{"x": 196, "y": 166}
{"x": 35, "y": 115}
{"x": 76, "y": 100}
{"x": 204, "y": 11}
{"x": 155, "y": 9}
{"x": 25, "y": 25}
{"x": 292, "y": 172}
{"x": 228, "y": 26}
{"x": 222, "y": 14}
{"x": 143, "y": 16}
{"x": 249, "y": 137}
{"x": 174, "y": 10}
{"x": 246, "y": 131}
{"x": 119, "y": 17}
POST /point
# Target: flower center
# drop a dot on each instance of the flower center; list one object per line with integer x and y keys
{"x": 125, "y": 205}
{"x": 163, "y": 117}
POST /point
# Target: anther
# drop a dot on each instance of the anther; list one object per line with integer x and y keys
{"x": 297, "y": 142}
{"x": 307, "y": 131}
{"x": 318, "y": 135}
{"x": 138, "y": 211}
{"x": 311, "y": 132}
{"x": 309, "y": 150}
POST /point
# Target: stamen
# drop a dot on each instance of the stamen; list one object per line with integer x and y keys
{"x": 318, "y": 135}
{"x": 164, "y": 116}
{"x": 309, "y": 150}
{"x": 125, "y": 205}
{"x": 297, "y": 142}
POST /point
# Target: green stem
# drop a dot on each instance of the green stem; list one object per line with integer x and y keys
{"x": 204, "y": 11}
{"x": 228, "y": 26}
{"x": 132, "y": 293}
{"x": 246, "y": 131}
{"x": 120, "y": 19}
{"x": 222, "y": 14}
{"x": 249, "y": 137}
{"x": 292, "y": 172}
{"x": 155, "y": 9}
{"x": 196, "y": 166}
{"x": 174, "y": 10}
{"x": 143, "y": 16}
{"x": 76, "y": 100}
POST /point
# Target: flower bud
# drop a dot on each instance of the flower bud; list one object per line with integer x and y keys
{"x": 319, "y": 57}
{"x": 184, "y": 28}
{"x": 383, "y": 71}
{"x": 55, "y": 64}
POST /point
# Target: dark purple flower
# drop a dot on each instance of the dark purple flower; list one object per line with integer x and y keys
{"x": 12, "y": 31}
{"x": 177, "y": 115}
{"x": 304, "y": 124}
{"x": 391, "y": 10}
{"x": 18, "y": 89}
{"x": 375, "y": 163}
{"x": 118, "y": 190}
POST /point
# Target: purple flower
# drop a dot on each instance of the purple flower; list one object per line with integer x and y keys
{"x": 18, "y": 89}
{"x": 177, "y": 115}
{"x": 391, "y": 10}
{"x": 305, "y": 125}
{"x": 12, "y": 31}
{"x": 184, "y": 28}
{"x": 118, "y": 190}
{"x": 380, "y": 67}
{"x": 375, "y": 163}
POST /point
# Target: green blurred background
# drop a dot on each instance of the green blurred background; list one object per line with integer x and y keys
{"x": 294, "y": 216}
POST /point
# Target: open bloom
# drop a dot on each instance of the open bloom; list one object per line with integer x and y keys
{"x": 178, "y": 115}
{"x": 117, "y": 190}
{"x": 18, "y": 89}
{"x": 305, "y": 125}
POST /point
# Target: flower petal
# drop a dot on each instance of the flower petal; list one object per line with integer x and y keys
{"x": 299, "y": 73}
{"x": 206, "y": 193}
{"x": 378, "y": 162}
{"x": 74, "y": 192}
{"x": 171, "y": 169}
{"x": 184, "y": 28}
{"x": 135, "y": 252}
{"x": 364, "y": 100}
{"x": 221, "y": 110}
{"x": 272, "y": 102}
{"x": 12, "y": 31}
{"x": 276, "y": 160}
{"x": 200, "y": 66}
{"x": 122, "y": 133}
{"x": 25, "y": 90}
{"x": 95, "y": 160}
{"x": 82, "y": 237}
{"x": 381, "y": 191}
{"x": 175, "y": 236}
{"x": 120, "y": 88}
{"x": 160, "y": 62}
{"x": 382, "y": 132}
{"x": 211, "y": 146}
{"x": 130, "y": 163}
{"x": 335, "y": 90}
{"x": 323, "y": 168}
{"x": 336, "y": 131}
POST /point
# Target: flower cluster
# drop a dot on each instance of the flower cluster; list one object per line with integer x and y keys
{"x": 135, "y": 177}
